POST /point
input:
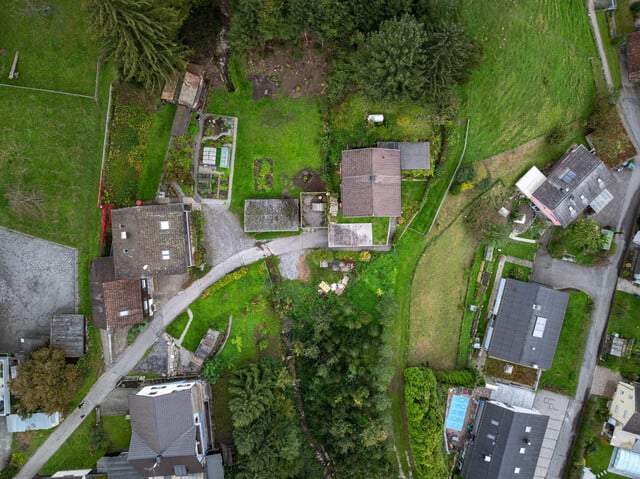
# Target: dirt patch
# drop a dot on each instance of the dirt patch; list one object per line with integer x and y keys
{"x": 284, "y": 72}
{"x": 263, "y": 87}
{"x": 263, "y": 174}
{"x": 308, "y": 180}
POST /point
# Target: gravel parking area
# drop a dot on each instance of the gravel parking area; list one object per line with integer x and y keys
{"x": 37, "y": 279}
{"x": 224, "y": 234}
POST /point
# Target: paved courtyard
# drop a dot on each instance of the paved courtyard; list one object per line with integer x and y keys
{"x": 37, "y": 279}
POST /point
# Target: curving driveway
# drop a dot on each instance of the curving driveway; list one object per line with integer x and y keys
{"x": 110, "y": 378}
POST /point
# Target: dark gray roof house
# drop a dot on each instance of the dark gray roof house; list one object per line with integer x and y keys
{"x": 528, "y": 323}
{"x": 115, "y": 303}
{"x": 578, "y": 181}
{"x": 370, "y": 182}
{"x": 150, "y": 241}
{"x": 506, "y": 442}
{"x": 413, "y": 156}
{"x": 169, "y": 429}
{"x": 68, "y": 332}
{"x": 261, "y": 216}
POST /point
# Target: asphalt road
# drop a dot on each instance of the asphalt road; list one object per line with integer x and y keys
{"x": 110, "y": 378}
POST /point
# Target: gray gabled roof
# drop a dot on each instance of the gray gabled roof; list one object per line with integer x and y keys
{"x": 163, "y": 427}
{"x": 633, "y": 424}
{"x": 413, "y": 156}
{"x": 576, "y": 181}
{"x": 506, "y": 439}
{"x": 142, "y": 235}
{"x": 528, "y": 323}
{"x": 117, "y": 467}
{"x": 262, "y": 216}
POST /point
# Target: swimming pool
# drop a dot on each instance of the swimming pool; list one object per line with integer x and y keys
{"x": 457, "y": 413}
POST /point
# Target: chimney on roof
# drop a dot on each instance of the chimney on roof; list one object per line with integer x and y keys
{"x": 487, "y": 458}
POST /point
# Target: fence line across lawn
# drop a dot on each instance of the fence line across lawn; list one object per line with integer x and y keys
{"x": 57, "y": 92}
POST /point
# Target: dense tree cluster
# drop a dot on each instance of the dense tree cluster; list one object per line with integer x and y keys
{"x": 342, "y": 361}
{"x": 45, "y": 382}
{"x": 141, "y": 36}
{"x": 266, "y": 429}
{"x": 396, "y": 50}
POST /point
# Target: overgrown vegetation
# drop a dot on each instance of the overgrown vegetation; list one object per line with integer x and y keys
{"x": 582, "y": 240}
{"x": 590, "y": 448}
{"x": 138, "y": 140}
{"x": 425, "y": 418}
{"x": 267, "y": 432}
{"x": 624, "y": 320}
{"x": 341, "y": 347}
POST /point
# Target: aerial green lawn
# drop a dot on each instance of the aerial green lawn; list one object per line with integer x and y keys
{"x": 283, "y": 129}
{"x": 75, "y": 453}
{"x": 625, "y": 320}
{"x": 563, "y": 375}
{"x": 253, "y": 327}
{"x": 51, "y": 144}
{"x": 118, "y": 430}
{"x": 536, "y": 72}
{"x": 158, "y": 142}
{"x": 55, "y": 52}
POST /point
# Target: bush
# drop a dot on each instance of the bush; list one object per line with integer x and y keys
{"x": 424, "y": 415}
{"x": 467, "y": 378}
{"x": 635, "y": 8}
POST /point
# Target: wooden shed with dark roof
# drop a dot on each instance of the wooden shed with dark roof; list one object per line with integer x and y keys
{"x": 68, "y": 333}
{"x": 633, "y": 56}
{"x": 370, "y": 183}
{"x": 150, "y": 240}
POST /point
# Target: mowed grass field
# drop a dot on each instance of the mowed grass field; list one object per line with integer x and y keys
{"x": 437, "y": 298}
{"x": 56, "y": 52}
{"x": 284, "y": 129}
{"x": 51, "y": 144}
{"x": 536, "y": 72}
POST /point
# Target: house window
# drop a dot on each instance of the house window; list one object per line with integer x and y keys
{"x": 166, "y": 254}
{"x": 624, "y": 414}
{"x": 617, "y": 409}
{"x": 527, "y": 429}
{"x": 124, "y": 313}
{"x": 165, "y": 225}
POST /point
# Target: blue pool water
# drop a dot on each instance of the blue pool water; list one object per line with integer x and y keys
{"x": 457, "y": 412}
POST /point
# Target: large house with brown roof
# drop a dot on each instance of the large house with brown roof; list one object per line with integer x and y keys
{"x": 150, "y": 240}
{"x": 117, "y": 303}
{"x": 578, "y": 181}
{"x": 633, "y": 56}
{"x": 371, "y": 182}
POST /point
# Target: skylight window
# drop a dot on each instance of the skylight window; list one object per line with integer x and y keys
{"x": 124, "y": 313}
{"x": 538, "y": 329}
{"x": 568, "y": 177}
{"x": 165, "y": 225}
{"x": 527, "y": 429}
{"x": 166, "y": 254}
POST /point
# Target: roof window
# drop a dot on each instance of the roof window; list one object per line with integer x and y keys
{"x": 538, "y": 329}
{"x": 124, "y": 313}
{"x": 166, "y": 254}
{"x": 165, "y": 225}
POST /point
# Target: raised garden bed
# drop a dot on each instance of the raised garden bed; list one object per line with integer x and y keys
{"x": 263, "y": 174}
{"x": 520, "y": 374}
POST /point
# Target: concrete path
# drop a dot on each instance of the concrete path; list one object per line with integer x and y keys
{"x": 604, "y": 382}
{"x": 163, "y": 317}
{"x": 627, "y": 286}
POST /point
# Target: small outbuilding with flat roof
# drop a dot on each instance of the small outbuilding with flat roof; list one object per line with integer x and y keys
{"x": 261, "y": 216}
{"x": 68, "y": 333}
{"x": 350, "y": 235}
{"x": 413, "y": 156}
